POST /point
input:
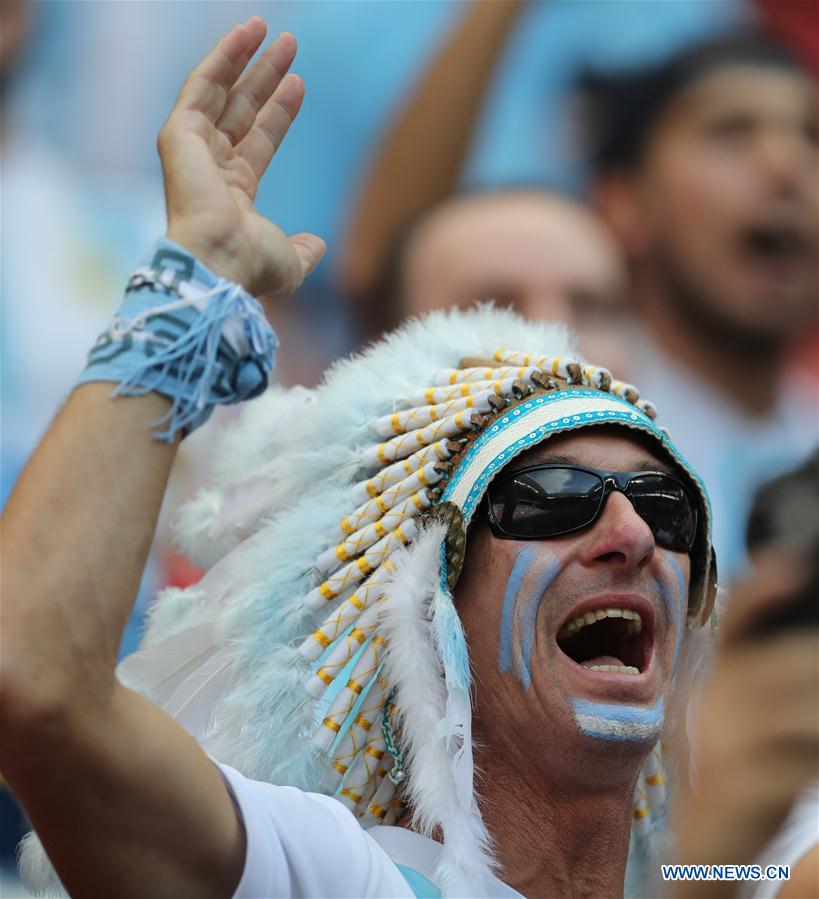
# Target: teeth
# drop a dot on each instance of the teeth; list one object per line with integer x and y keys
{"x": 635, "y": 622}
{"x": 620, "y": 669}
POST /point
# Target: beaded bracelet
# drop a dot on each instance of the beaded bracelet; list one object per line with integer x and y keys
{"x": 182, "y": 332}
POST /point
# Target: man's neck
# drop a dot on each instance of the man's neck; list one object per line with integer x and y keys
{"x": 556, "y": 840}
{"x": 749, "y": 379}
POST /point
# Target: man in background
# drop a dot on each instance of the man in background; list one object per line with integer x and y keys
{"x": 539, "y": 252}
{"x": 415, "y": 243}
{"x": 705, "y": 169}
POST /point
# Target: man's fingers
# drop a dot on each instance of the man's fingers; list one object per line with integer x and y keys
{"x": 261, "y": 142}
{"x": 209, "y": 84}
{"x": 256, "y": 88}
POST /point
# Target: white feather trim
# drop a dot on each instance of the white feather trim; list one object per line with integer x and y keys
{"x": 36, "y": 870}
{"x": 436, "y": 722}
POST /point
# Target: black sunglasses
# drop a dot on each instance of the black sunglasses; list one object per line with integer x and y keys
{"x": 553, "y": 500}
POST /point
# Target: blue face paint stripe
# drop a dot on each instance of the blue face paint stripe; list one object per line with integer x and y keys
{"x": 626, "y": 714}
{"x": 679, "y": 611}
{"x": 522, "y": 562}
{"x": 681, "y": 582}
{"x": 672, "y": 607}
{"x": 529, "y": 618}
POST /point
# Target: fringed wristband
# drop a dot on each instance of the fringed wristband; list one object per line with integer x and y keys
{"x": 182, "y": 332}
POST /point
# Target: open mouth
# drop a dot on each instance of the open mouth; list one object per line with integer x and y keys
{"x": 609, "y": 639}
{"x": 774, "y": 242}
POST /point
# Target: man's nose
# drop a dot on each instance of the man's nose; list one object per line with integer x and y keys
{"x": 786, "y": 161}
{"x": 620, "y": 537}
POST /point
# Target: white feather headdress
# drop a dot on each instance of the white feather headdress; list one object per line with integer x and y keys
{"x": 322, "y": 648}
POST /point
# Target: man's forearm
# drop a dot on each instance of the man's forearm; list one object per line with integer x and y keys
{"x": 76, "y": 533}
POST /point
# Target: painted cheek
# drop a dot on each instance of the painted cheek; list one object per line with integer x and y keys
{"x": 673, "y": 594}
{"x": 523, "y": 561}
{"x": 533, "y": 573}
{"x": 543, "y": 578}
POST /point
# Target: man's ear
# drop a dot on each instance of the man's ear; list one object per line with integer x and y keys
{"x": 617, "y": 198}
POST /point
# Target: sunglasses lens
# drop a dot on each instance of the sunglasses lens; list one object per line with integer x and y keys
{"x": 666, "y": 508}
{"x": 546, "y": 502}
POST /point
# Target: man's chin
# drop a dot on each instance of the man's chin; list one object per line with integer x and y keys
{"x": 610, "y": 706}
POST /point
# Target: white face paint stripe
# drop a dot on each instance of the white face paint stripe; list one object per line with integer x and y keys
{"x": 619, "y": 722}
{"x": 616, "y": 730}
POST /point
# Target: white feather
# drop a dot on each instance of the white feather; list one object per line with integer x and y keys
{"x": 436, "y": 725}
{"x": 36, "y": 870}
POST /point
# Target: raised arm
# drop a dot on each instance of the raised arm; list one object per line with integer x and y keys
{"x": 124, "y": 800}
{"x": 423, "y": 151}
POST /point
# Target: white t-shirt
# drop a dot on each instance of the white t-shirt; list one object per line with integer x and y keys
{"x": 794, "y": 840}
{"x": 310, "y": 845}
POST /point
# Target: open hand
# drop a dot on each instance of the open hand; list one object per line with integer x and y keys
{"x": 215, "y": 147}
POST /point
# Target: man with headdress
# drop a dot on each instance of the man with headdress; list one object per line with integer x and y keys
{"x": 468, "y": 482}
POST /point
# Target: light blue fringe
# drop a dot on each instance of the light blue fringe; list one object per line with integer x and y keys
{"x": 449, "y": 634}
{"x": 199, "y": 369}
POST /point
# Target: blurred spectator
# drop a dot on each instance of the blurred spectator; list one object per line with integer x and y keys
{"x": 420, "y": 156}
{"x": 786, "y": 514}
{"x": 706, "y": 171}
{"x": 414, "y": 246}
{"x": 490, "y": 108}
{"x": 746, "y": 774}
{"x": 534, "y": 250}
{"x": 762, "y": 770}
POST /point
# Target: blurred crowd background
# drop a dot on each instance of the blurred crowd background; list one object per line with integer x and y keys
{"x": 644, "y": 170}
